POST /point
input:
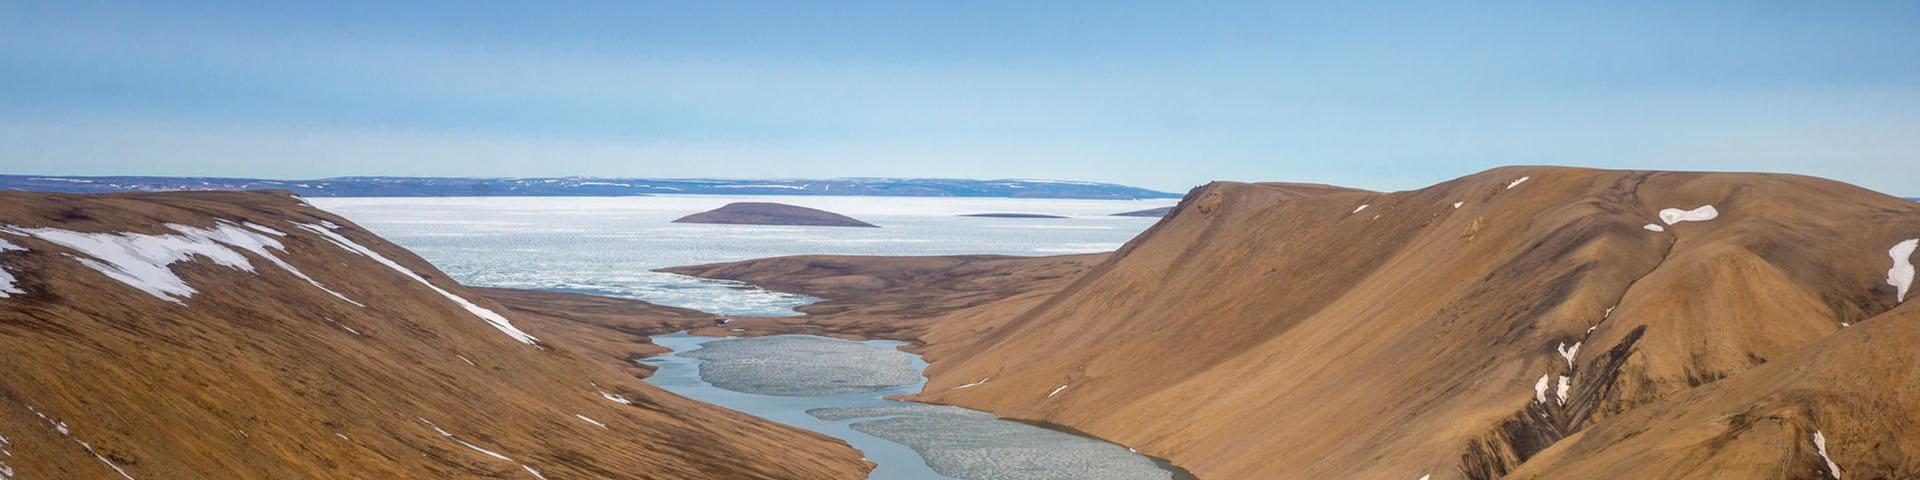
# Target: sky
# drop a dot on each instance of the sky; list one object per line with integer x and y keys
{"x": 1164, "y": 95}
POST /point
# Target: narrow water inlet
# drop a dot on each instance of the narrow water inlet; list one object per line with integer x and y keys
{"x": 838, "y": 388}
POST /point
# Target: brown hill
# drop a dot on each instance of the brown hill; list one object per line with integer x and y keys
{"x": 765, "y": 213}
{"x": 1526, "y": 321}
{"x": 246, "y": 335}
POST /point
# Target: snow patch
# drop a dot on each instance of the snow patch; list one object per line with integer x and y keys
{"x": 589, "y": 420}
{"x": 1458, "y": 204}
{"x": 536, "y": 473}
{"x": 1517, "y": 183}
{"x": 1056, "y": 391}
{"x": 498, "y": 322}
{"x": 142, "y": 261}
{"x": 1540, "y": 388}
{"x": 463, "y": 358}
{"x": 1654, "y": 227}
{"x": 1901, "y": 275}
{"x": 1568, "y": 353}
{"x": 1561, "y": 392}
{"x": 1701, "y": 214}
{"x": 449, "y": 436}
{"x": 1820, "y": 443}
{"x": 1357, "y": 210}
{"x": 6, "y": 246}
{"x": 971, "y": 385}
{"x": 616, "y": 398}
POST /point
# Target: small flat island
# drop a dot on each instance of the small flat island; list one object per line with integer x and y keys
{"x": 1012, "y": 215}
{"x": 766, "y": 213}
{"x": 1151, "y": 212}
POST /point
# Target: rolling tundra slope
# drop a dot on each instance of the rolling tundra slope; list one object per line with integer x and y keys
{"x": 247, "y": 335}
{"x": 1525, "y": 320}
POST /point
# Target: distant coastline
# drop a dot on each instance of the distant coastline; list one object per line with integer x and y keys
{"x": 590, "y": 186}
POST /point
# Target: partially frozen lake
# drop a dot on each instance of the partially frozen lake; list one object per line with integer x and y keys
{"x": 609, "y": 245}
{"x": 838, "y": 388}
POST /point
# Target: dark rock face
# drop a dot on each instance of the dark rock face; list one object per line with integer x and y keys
{"x": 1012, "y": 215}
{"x": 763, "y": 213}
{"x": 1151, "y": 212}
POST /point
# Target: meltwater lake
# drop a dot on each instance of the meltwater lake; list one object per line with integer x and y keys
{"x": 609, "y": 245}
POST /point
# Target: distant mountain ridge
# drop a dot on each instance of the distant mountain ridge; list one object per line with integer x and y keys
{"x": 589, "y": 186}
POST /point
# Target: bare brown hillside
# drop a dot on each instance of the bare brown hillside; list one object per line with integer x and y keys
{"x": 247, "y": 335}
{"x": 1533, "y": 322}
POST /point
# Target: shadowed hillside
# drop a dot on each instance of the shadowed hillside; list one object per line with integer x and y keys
{"x": 247, "y": 335}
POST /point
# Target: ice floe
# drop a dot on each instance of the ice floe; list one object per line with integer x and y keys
{"x": 1517, "y": 182}
{"x": 142, "y": 260}
{"x": 1654, "y": 227}
{"x": 1561, "y": 392}
{"x": 1820, "y": 443}
{"x": 1901, "y": 275}
{"x": 589, "y": 420}
{"x": 492, "y": 318}
{"x": 1056, "y": 391}
{"x": 1540, "y": 388}
{"x": 1568, "y": 353}
{"x": 1700, "y": 214}
{"x": 1361, "y": 207}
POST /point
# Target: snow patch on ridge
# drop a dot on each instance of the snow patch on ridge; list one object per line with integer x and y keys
{"x": 1820, "y": 443}
{"x": 1561, "y": 392}
{"x": 1363, "y": 206}
{"x": 142, "y": 261}
{"x": 1653, "y": 228}
{"x": 1700, "y": 214}
{"x": 1540, "y": 388}
{"x": 1056, "y": 391}
{"x": 1517, "y": 183}
{"x": 1568, "y": 353}
{"x": 1901, "y": 275}
{"x": 492, "y": 318}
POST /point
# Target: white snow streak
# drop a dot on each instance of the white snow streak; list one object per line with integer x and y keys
{"x": 6, "y": 246}
{"x": 1562, "y": 391}
{"x": 589, "y": 420}
{"x": 1654, "y": 228}
{"x": 616, "y": 398}
{"x": 1901, "y": 275}
{"x": 1517, "y": 183}
{"x": 1056, "y": 391}
{"x": 536, "y": 473}
{"x": 463, "y": 358}
{"x": 1362, "y": 207}
{"x": 498, "y": 322}
{"x": 62, "y": 428}
{"x": 1701, "y": 214}
{"x": 1458, "y": 204}
{"x": 971, "y": 385}
{"x": 464, "y": 442}
{"x": 1540, "y": 388}
{"x": 1820, "y": 442}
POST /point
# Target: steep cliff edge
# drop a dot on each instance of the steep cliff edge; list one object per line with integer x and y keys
{"x": 247, "y": 335}
{"x": 1464, "y": 329}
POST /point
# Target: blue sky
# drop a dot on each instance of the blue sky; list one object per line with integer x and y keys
{"x": 1166, "y": 95}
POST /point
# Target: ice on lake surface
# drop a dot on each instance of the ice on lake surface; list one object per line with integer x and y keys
{"x": 838, "y": 387}
{"x": 610, "y": 245}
